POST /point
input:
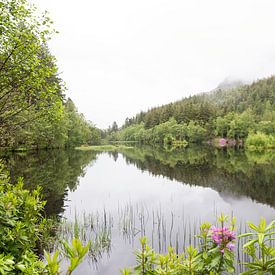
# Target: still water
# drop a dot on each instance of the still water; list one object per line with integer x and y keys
{"x": 164, "y": 195}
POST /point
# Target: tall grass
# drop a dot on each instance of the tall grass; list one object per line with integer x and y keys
{"x": 95, "y": 228}
{"x": 131, "y": 222}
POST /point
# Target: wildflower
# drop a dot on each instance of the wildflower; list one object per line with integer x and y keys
{"x": 230, "y": 246}
{"x": 223, "y": 238}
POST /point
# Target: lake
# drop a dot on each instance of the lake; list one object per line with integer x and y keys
{"x": 118, "y": 197}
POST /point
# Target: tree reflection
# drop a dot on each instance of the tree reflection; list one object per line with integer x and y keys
{"x": 227, "y": 171}
{"x": 56, "y": 171}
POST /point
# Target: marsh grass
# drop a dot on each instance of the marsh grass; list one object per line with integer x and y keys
{"x": 131, "y": 222}
{"x": 93, "y": 228}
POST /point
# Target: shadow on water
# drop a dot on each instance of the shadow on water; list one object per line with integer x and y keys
{"x": 56, "y": 171}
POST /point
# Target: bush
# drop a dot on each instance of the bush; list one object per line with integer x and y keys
{"x": 260, "y": 141}
{"x": 23, "y": 227}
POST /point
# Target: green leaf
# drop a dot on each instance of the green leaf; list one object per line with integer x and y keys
{"x": 252, "y": 226}
{"x": 261, "y": 238}
{"x": 250, "y": 243}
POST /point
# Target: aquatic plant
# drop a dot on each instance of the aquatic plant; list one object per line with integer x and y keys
{"x": 214, "y": 244}
{"x": 92, "y": 229}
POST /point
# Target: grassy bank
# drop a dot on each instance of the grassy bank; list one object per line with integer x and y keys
{"x": 106, "y": 148}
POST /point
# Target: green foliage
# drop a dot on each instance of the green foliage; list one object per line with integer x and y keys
{"x": 23, "y": 227}
{"x": 53, "y": 263}
{"x": 56, "y": 171}
{"x": 259, "y": 249}
{"x": 260, "y": 141}
{"x": 6, "y": 264}
{"x": 231, "y": 114}
{"x": 79, "y": 131}
{"x": 29, "y": 82}
{"x": 70, "y": 129}
{"x": 234, "y": 125}
{"x": 32, "y": 109}
{"x": 214, "y": 255}
{"x": 167, "y": 133}
{"x": 209, "y": 258}
{"x": 75, "y": 253}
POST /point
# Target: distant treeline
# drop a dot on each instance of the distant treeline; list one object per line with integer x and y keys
{"x": 232, "y": 114}
{"x": 33, "y": 109}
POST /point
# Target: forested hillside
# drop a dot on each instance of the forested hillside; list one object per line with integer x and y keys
{"x": 233, "y": 114}
{"x": 33, "y": 109}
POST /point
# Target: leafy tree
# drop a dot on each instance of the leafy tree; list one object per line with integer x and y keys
{"x": 28, "y": 72}
{"x": 32, "y": 109}
{"x": 114, "y": 127}
{"x": 79, "y": 131}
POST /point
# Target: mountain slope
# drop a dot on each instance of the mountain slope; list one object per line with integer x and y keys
{"x": 259, "y": 97}
{"x": 235, "y": 114}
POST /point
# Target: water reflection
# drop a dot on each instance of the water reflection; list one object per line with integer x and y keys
{"x": 166, "y": 195}
{"x": 230, "y": 171}
{"x": 148, "y": 191}
{"x": 57, "y": 171}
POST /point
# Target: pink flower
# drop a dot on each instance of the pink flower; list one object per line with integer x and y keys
{"x": 223, "y": 237}
{"x": 230, "y": 246}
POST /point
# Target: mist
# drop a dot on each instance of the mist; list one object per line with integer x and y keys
{"x": 121, "y": 57}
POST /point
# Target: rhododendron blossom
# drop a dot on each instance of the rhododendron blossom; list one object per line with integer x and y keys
{"x": 223, "y": 237}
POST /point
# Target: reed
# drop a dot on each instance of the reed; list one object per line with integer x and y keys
{"x": 133, "y": 221}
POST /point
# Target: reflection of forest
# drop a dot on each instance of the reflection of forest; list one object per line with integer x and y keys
{"x": 55, "y": 170}
{"x": 231, "y": 171}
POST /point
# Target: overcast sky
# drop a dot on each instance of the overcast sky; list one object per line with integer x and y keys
{"x": 119, "y": 57}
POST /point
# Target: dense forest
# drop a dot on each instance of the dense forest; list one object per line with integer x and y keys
{"x": 246, "y": 112}
{"x": 34, "y": 112}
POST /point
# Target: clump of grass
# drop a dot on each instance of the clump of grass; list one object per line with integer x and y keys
{"x": 92, "y": 229}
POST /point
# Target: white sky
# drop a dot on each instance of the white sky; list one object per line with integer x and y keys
{"x": 119, "y": 57}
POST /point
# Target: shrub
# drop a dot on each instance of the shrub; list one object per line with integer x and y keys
{"x": 260, "y": 141}
{"x": 23, "y": 227}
